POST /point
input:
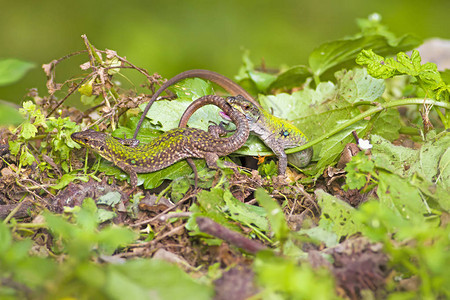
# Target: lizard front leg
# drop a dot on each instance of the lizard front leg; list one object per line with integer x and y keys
{"x": 282, "y": 160}
{"x": 210, "y": 158}
{"x": 132, "y": 173}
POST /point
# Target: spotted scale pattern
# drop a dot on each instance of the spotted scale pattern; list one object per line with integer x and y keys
{"x": 170, "y": 147}
{"x": 276, "y": 133}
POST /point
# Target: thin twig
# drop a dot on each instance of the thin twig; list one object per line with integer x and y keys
{"x": 208, "y": 226}
{"x": 70, "y": 93}
{"x": 187, "y": 197}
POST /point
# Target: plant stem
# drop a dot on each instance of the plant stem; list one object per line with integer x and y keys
{"x": 379, "y": 107}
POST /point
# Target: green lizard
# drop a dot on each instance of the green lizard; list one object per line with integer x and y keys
{"x": 276, "y": 133}
{"x": 170, "y": 147}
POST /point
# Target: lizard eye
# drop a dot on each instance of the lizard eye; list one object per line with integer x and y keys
{"x": 285, "y": 133}
{"x": 102, "y": 148}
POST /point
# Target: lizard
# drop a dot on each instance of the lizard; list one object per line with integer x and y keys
{"x": 170, "y": 147}
{"x": 276, "y": 133}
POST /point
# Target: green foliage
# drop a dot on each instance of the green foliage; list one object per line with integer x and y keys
{"x": 408, "y": 217}
{"x": 9, "y": 115}
{"x": 387, "y": 124}
{"x": 35, "y": 118}
{"x": 268, "y": 169}
{"x": 337, "y": 215}
{"x": 249, "y": 215}
{"x": 356, "y": 85}
{"x": 58, "y": 132}
{"x": 12, "y": 70}
{"x": 28, "y": 130}
{"x": 77, "y": 275}
{"x": 420, "y": 249}
{"x": 220, "y": 206}
{"x": 141, "y": 279}
{"x": 358, "y": 170}
{"x": 427, "y": 75}
{"x": 166, "y": 114}
{"x": 18, "y": 267}
{"x": 61, "y": 142}
{"x": 82, "y": 239}
{"x": 274, "y": 214}
{"x": 210, "y": 204}
{"x": 282, "y": 278}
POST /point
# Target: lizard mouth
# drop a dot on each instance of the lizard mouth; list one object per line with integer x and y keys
{"x": 224, "y": 116}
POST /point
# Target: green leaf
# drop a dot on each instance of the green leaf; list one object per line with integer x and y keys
{"x": 299, "y": 104}
{"x": 400, "y": 196}
{"x": 279, "y": 278}
{"x": 192, "y": 88}
{"x": 180, "y": 186}
{"x": 332, "y": 147}
{"x": 329, "y": 238}
{"x": 444, "y": 170}
{"x": 87, "y": 216}
{"x": 28, "y": 130}
{"x": 14, "y": 147}
{"x": 268, "y": 169}
{"x": 146, "y": 133}
{"x": 113, "y": 237}
{"x": 167, "y": 113}
{"x": 356, "y": 85}
{"x": 342, "y": 53}
{"x": 26, "y": 158}
{"x": 5, "y": 238}
{"x": 68, "y": 178}
{"x": 179, "y": 169}
{"x": 9, "y": 115}
{"x": 388, "y": 124}
{"x": 379, "y": 222}
{"x": 254, "y": 147}
{"x": 357, "y": 170}
{"x": 155, "y": 279}
{"x": 292, "y": 77}
{"x": 245, "y": 213}
{"x": 434, "y": 195}
{"x": 427, "y": 74}
{"x": 431, "y": 155}
{"x": 153, "y": 179}
{"x": 396, "y": 159}
{"x": 80, "y": 238}
{"x": 12, "y": 70}
{"x": 104, "y": 215}
{"x": 274, "y": 214}
{"x": 110, "y": 199}
{"x": 261, "y": 80}
{"x": 212, "y": 205}
{"x": 337, "y": 215}
{"x": 86, "y": 89}
{"x": 373, "y": 26}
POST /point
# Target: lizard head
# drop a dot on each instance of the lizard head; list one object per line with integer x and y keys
{"x": 92, "y": 139}
{"x": 246, "y": 107}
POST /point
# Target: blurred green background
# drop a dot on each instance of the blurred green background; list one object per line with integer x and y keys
{"x": 171, "y": 36}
